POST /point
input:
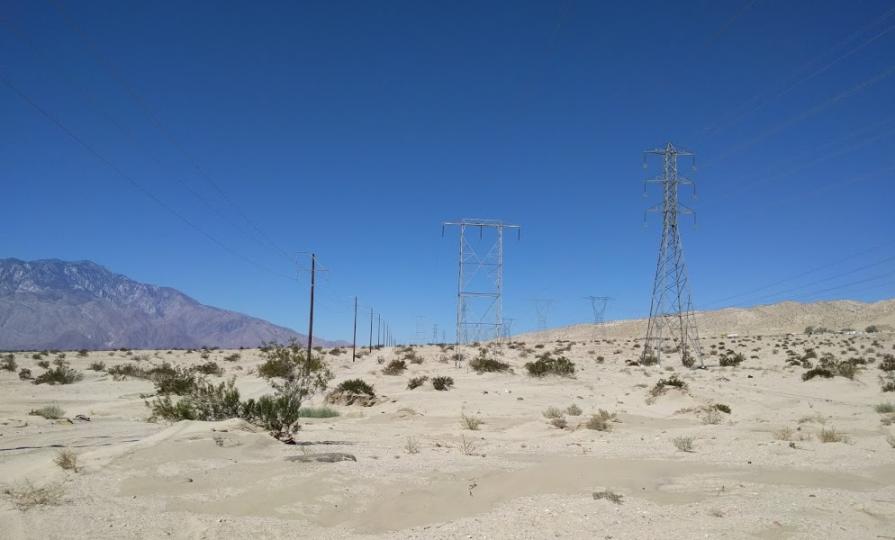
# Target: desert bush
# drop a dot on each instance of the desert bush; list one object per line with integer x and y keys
{"x": 25, "y": 374}
{"x": 684, "y": 444}
{"x": 831, "y": 435}
{"x": 209, "y": 368}
{"x": 352, "y": 391}
{"x": 470, "y": 422}
{"x": 817, "y": 372}
{"x": 607, "y": 496}
{"x": 44, "y": 364}
{"x": 548, "y": 365}
{"x": 485, "y": 364}
{"x": 395, "y": 367}
{"x": 722, "y": 407}
{"x": 711, "y": 417}
{"x": 552, "y": 412}
{"x": 442, "y": 383}
{"x": 317, "y": 412}
{"x": 97, "y": 366}
{"x": 290, "y": 361}
{"x": 59, "y": 375}
{"x": 202, "y": 401}
{"x": 560, "y": 422}
{"x": 67, "y": 460}
{"x": 173, "y": 380}
{"x": 411, "y": 446}
{"x": 601, "y": 421}
{"x": 123, "y": 371}
{"x": 573, "y": 410}
{"x": 784, "y": 434}
{"x": 38, "y": 356}
{"x": 26, "y": 495}
{"x": 412, "y": 357}
{"x": 731, "y": 359}
{"x": 887, "y": 363}
{"x": 50, "y": 412}
{"x": 278, "y": 414}
{"x": 663, "y": 384}
{"x": 83, "y": 353}
{"x": 232, "y": 357}
{"x": 890, "y": 438}
{"x": 416, "y": 382}
{"x": 884, "y": 408}
{"x": 9, "y": 362}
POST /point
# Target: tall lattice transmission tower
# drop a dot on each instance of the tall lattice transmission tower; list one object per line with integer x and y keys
{"x": 671, "y": 308}
{"x": 480, "y": 279}
{"x": 598, "y": 305}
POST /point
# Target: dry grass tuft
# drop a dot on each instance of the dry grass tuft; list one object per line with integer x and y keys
{"x": 684, "y": 444}
{"x": 608, "y": 495}
{"x": 411, "y": 446}
{"x": 831, "y": 435}
{"x": 67, "y": 459}
{"x": 471, "y": 423}
{"x": 26, "y": 495}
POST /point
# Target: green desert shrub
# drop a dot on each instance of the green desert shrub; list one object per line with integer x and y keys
{"x": 731, "y": 359}
{"x": 395, "y": 367}
{"x": 416, "y": 382}
{"x": 209, "y": 368}
{"x": 290, "y": 361}
{"x": 44, "y": 364}
{"x": 485, "y": 364}
{"x": 317, "y": 412}
{"x": 602, "y": 421}
{"x": 356, "y": 386}
{"x": 97, "y": 366}
{"x": 59, "y": 375}
{"x": 9, "y": 362}
{"x": 548, "y": 365}
{"x": 817, "y": 372}
{"x": 232, "y": 357}
{"x": 173, "y": 380}
{"x": 442, "y": 383}
{"x": 25, "y": 374}
{"x": 663, "y": 385}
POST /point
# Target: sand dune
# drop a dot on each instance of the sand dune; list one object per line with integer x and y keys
{"x": 760, "y": 472}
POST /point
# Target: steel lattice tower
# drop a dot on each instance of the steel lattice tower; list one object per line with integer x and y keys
{"x": 598, "y": 305}
{"x": 480, "y": 280}
{"x": 671, "y": 308}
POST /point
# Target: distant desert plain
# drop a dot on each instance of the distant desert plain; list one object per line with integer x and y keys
{"x": 785, "y": 434}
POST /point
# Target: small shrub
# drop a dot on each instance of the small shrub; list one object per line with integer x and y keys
{"x": 395, "y": 367}
{"x": 411, "y": 446}
{"x": 485, "y": 364}
{"x": 817, "y": 372}
{"x": 684, "y": 444}
{"x": 559, "y": 423}
{"x": 26, "y": 495}
{"x": 356, "y": 386}
{"x": 44, "y": 364}
{"x": 123, "y": 371}
{"x": 83, "y": 353}
{"x": 8, "y": 363}
{"x": 470, "y": 422}
{"x": 663, "y": 384}
{"x": 97, "y": 366}
{"x": 607, "y": 496}
{"x": 202, "y": 401}
{"x": 722, "y": 407}
{"x": 442, "y": 383}
{"x": 884, "y": 408}
{"x": 50, "y": 412}
{"x": 25, "y": 374}
{"x": 173, "y": 380}
{"x": 602, "y": 421}
{"x": 416, "y": 382}
{"x": 784, "y": 434}
{"x": 59, "y": 375}
{"x": 352, "y": 391}
{"x": 230, "y": 357}
{"x": 731, "y": 359}
{"x": 552, "y": 412}
{"x": 548, "y": 365}
{"x": 573, "y": 410}
{"x": 711, "y": 417}
{"x": 831, "y": 436}
{"x": 67, "y": 460}
{"x": 209, "y": 368}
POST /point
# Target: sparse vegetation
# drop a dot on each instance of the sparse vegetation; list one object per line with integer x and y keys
{"x": 731, "y": 359}
{"x": 395, "y": 367}
{"x": 59, "y": 375}
{"x": 67, "y": 460}
{"x": 470, "y": 422}
{"x": 684, "y": 444}
{"x": 884, "y": 408}
{"x": 317, "y": 412}
{"x": 573, "y": 410}
{"x": 831, "y": 436}
{"x": 8, "y": 362}
{"x": 663, "y": 385}
{"x": 209, "y": 368}
{"x": 27, "y": 495}
{"x": 25, "y": 374}
{"x": 548, "y": 365}
{"x": 352, "y": 391}
{"x": 50, "y": 412}
{"x": 97, "y": 366}
{"x": 442, "y": 383}
{"x": 416, "y": 382}
{"x": 485, "y": 364}
{"x": 607, "y": 495}
{"x": 601, "y": 421}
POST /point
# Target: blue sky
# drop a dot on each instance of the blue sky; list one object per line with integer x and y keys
{"x": 258, "y": 131}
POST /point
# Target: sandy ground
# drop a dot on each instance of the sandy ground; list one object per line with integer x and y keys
{"x": 517, "y": 476}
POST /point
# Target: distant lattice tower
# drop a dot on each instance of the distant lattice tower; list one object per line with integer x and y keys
{"x": 671, "y": 326}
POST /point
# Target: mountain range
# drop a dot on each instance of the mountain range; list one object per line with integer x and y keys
{"x": 54, "y": 304}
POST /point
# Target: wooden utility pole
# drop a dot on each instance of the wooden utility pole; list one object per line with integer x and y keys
{"x": 311, "y": 316}
{"x": 354, "y": 339}
{"x": 371, "y": 329}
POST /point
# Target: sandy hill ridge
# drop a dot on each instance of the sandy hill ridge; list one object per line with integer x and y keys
{"x": 781, "y": 318}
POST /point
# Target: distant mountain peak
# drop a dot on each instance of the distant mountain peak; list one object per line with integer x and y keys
{"x": 51, "y": 303}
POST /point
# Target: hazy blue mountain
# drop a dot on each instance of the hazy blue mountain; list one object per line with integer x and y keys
{"x": 71, "y": 305}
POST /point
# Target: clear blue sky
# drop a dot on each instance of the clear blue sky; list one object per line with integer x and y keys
{"x": 354, "y": 128}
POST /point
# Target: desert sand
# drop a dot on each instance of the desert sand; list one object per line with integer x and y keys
{"x": 760, "y": 471}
